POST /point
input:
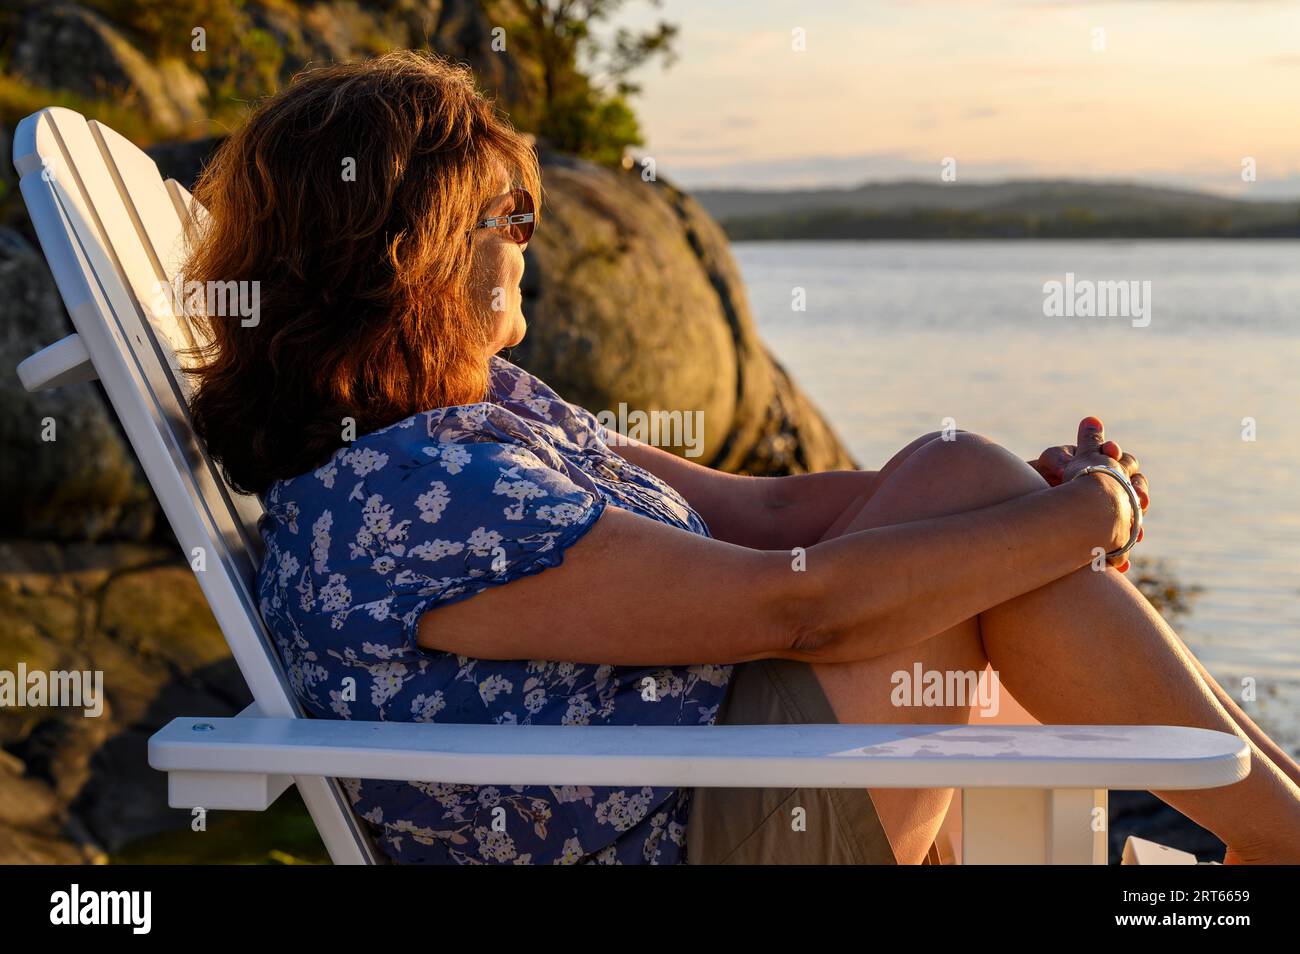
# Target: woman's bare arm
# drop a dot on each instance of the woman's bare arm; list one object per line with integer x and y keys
{"x": 636, "y": 592}
{"x": 766, "y": 513}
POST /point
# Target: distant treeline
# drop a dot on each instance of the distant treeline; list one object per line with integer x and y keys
{"x": 977, "y": 224}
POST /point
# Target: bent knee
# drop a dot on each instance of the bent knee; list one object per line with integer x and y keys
{"x": 944, "y": 475}
{"x": 972, "y": 464}
{"x": 947, "y": 436}
{"x": 952, "y": 436}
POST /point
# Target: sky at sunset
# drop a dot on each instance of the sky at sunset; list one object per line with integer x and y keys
{"x": 1183, "y": 91}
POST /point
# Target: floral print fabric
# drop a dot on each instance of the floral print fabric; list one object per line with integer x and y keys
{"x": 434, "y": 509}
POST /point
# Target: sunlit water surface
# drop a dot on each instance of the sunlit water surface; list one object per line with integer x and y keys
{"x": 898, "y": 336}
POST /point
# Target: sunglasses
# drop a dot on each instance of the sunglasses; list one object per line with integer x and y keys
{"x": 519, "y": 223}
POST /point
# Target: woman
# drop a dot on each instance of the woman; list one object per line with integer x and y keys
{"x": 450, "y": 541}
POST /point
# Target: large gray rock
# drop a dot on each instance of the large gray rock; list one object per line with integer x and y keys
{"x": 72, "y": 786}
{"x": 345, "y": 30}
{"x": 634, "y": 299}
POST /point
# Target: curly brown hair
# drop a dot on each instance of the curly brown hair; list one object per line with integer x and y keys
{"x": 365, "y": 310}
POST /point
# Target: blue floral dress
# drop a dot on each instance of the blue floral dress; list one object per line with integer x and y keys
{"x": 432, "y": 510}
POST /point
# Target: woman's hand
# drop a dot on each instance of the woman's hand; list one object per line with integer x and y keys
{"x": 1059, "y": 464}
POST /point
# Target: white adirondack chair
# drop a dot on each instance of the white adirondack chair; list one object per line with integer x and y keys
{"x": 111, "y": 230}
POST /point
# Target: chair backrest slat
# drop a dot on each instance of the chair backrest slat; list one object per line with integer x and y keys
{"x": 159, "y": 230}
{"x": 159, "y": 239}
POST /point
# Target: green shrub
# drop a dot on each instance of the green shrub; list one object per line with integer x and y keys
{"x": 19, "y": 99}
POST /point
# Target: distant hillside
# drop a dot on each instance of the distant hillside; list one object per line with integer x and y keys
{"x": 1017, "y": 209}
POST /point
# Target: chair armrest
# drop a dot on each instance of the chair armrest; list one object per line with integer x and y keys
{"x": 65, "y": 362}
{"x": 819, "y": 756}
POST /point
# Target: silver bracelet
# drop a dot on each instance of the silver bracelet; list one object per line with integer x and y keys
{"x": 1133, "y": 499}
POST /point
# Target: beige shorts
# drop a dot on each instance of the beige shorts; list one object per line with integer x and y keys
{"x": 748, "y": 826}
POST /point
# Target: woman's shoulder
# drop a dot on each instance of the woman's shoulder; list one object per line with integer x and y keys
{"x": 523, "y": 427}
{"x": 456, "y": 453}
{"x": 460, "y": 467}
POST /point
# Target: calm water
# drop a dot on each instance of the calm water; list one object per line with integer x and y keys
{"x": 898, "y": 336}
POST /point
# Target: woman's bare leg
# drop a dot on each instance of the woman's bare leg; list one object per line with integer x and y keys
{"x": 1282, "y": 759}
{"x": 1087, "y": 648}
{"x": 1277, "y": 755}
{"x": 861, "y": 692}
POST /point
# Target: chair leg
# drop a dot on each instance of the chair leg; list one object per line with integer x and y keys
{"x": 1008, "y": 826}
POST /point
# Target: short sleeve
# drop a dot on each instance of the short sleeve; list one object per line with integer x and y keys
{"x": 481, "y": 515}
